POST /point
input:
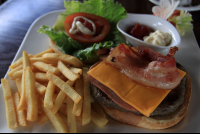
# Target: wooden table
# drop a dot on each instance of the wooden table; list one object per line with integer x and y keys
{"x": 16, "y": 16}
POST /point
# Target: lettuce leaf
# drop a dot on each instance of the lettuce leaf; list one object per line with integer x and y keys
{"x": 64, "y": 42}
{"x": 108, "y": 9}
{"x": 91, "y": 52}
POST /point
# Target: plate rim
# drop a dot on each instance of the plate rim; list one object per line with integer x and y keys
{"x": 182, "y": 8}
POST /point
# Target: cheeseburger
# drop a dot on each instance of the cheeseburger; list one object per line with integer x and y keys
{"x": 141, "y": 87}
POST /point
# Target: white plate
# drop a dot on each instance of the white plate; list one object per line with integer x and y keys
{"x": 188, "y": 55}
{"x": 191, "y": 8}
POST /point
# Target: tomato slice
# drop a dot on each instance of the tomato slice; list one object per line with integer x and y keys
{"x": 102, "y": 26}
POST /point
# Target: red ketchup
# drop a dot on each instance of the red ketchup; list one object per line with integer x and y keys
{"x": 139, "y": 31}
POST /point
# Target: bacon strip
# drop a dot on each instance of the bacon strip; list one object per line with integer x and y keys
{"x": 146, "y": 66}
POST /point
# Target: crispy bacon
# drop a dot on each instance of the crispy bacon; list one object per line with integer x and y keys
{"x": 146, "y": 66}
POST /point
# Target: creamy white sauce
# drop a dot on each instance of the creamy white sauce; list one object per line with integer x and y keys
{"x": 158, "y": 38}
{"x": 78, "y": 26}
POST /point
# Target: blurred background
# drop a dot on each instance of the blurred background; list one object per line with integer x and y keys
{"x": 2, "y": 1}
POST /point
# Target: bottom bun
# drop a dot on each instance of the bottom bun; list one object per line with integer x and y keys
{"x": 155, "y": 122}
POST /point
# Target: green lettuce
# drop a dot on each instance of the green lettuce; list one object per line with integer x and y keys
{"x": 108, "y": 9}
{"x": 88, "y": 53}
{"x": 111, "y": 11}
{"x": 64, "y": 42}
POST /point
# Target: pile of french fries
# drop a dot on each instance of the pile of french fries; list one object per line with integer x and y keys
{"x": 50, "y": 85}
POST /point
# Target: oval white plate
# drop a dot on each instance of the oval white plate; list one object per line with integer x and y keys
{"x": 188, "y": 55}
{"x": 191, "y": 8}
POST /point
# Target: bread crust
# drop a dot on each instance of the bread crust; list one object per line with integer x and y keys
{"x": 155, "y": 122}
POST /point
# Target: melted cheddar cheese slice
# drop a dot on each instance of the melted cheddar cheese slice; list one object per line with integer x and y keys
{"x": 142, "y": 98}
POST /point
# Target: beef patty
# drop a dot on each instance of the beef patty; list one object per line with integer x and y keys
{"x": 174, "y": 99}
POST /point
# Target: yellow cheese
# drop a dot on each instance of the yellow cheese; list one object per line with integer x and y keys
{"x": 142, "y": 98}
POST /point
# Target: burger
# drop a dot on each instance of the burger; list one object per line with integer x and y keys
{"x": 170, "y": 108}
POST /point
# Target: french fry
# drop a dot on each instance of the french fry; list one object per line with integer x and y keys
{"x": 26, "y": 60}
{"x": 40, "y": 59}
{"x": 70, "y": 117}
{"x": 18, "y": 82}
{"x": 48, "y": 99}
{"x": 54, "y": 65}
{"x": 26, "y": 63}
{"x": 55, "y": 119}
{"x": 76, "y": 70}
{"x": 34, "y": 69}
{"x": 98, "y": 109}
{"x": 65, "y": 101}
{"x": 98, "y": 120}
{"x": 44, "y": 83}
{"x": 20, "y": 67}
{"x": 50, "y": 50}
{"x": 64, "y": 87}
{"x": 54, "y": 97}
{"x": 22, "y": 102}
{"x": 18, "y": 62}
{"x": 21, "y": 114}
{"x": 31, "y": 97}
{"x": 45, "y": 67}
{"x": 62, "y": 77}
{"x": 17, "y": 74}
{"x": 60, "y": 98}
{"x": 77, "y": 109}
{"x": 10, "y": 105}
{"x": 58, "y": 102}
{"x": 63, "y": 109}
{"x": 79, "y": 118}
{"x": 66, "y": 72}
{"x": 40, "y": 111}
{"x": 41, "y": 89}
{"x": 57, "y": 90}
{"x": 64, "y": 58}
{"x": 41, "y": 77}
{"x": 86, "y": 114}
{"x": 43, "y": 118}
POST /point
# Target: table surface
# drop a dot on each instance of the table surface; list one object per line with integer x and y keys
{"x": 16, "y": 16}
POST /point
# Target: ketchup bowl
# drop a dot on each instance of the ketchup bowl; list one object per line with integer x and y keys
{"x": 152, "y": 22}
